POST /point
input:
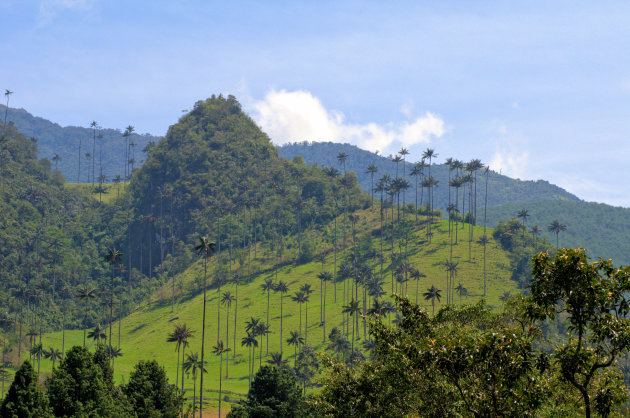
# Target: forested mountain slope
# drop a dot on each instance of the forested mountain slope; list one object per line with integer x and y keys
{"x": 601, "y": 228}
{"x": 53, "y": 139}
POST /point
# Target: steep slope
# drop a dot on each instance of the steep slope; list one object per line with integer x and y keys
{"x": 54, "y": 139}
{"x": 143, "y": 333}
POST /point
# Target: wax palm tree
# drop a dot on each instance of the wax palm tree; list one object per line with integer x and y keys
{"x": 53, "y": 355}
{"x": 461, "y": 291}
{"x": 56, "y": 158}
{"x": 227, "y": 300}
{"x": 556, "y": 227}
{"x": 267, "y": 287}
{"x": 430, "y": 154}
{"x": 403, "y": 153}
{"x": 341, "y": 157}
{"x": 204, "y": 248}
{"x": 180, "y": 336}
{"x": 295, "y": 339}
{"x": 352, "y": 309}
{"x": 484, "y": 241}
{"x": 535, "y": 231}
{"x": 98, "y": 334}
{"x": 306, "y": 289}
{"x": 250, "y": 342}
{"x": 416, "y": 172}
{"x": 416, "y": 275}
{"x": 94, "y": 126}
{"x": 7, "y": 94}
{"x": 324, "y": 276}
{"x": 300, "y": 298}
{"x": 218, "y": 350}
{"x": 282, "y": 288}
{"x": 192, "y": 365}
{"x": 85, "y": 294}
{"x": 371, "y": 170}
{"x": 113, "y": 257}
{"x": 277, "y": 360}
{"x": 523, "y": 214}
{"x": 37, "y": 351}
{"x": 432, "y": 294}
{"x": 236, "y": 279}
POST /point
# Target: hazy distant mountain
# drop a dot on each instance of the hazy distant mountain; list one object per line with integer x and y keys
{"x": 603, "y": 229}
{"x": 54, "y": 139}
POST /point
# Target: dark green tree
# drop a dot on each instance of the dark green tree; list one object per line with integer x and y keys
{"x": 149, "y": 392}
{"x": 25, "y": 397}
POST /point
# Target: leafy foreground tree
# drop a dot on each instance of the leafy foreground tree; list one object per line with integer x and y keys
{"x": 83, "y": 385}
{"x": 274, "y": 393}
{"x": 464, "y": 361}
{"x": 149, "y": 392}
{"x": 595, "y": 300}
{"x": 25, "y": 398}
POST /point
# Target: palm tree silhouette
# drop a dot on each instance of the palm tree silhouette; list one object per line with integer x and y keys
{"x": 403, "y": 153}
{"x": 556, "y": 227}
{"x": 523, "y": 214}
{"x": 249, "y": 341}
{"x": 56, "y": 158}
{"x": 352, "y": 309}
{"x": 461, "y": 291}
{"x": 277, "y": 360}
{"x": 324, "y": 276}
{"x": 192, "y": 364}
{"x": 219, "y": 350}
{"x": 267, "y": 287}
{"x": 295, "y": 339}
{"x": 37, "y": 351}
{"x": 180, "y": 336}
{"x": 98, "y": 334}
{"x": 371, "y": 170}
{"x": 227, "y": 300}
{"x": 205, "y": 248}
{"x": 94, "y": 126}
{"x": 53, "y": 355}
{"x": 300, "y": 298}
{"x": 281, "y": 287}
{"x": 484, "y": 241}
{"x": 7, "y": 94}
{"x": 113, "y": 257}
{"x": 432, "y": 294}
{"x": 306, "y": 289}
{"x": 85, "y": 294}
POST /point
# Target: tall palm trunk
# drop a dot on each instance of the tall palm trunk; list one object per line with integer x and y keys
{"x": 227, "y": 339}
{"x": 203, "y": 335}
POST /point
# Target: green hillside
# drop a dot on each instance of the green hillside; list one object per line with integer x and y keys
{"x": 143, "y": 333}
{"x": 602, "y": 229}
{"x": 54, "y": 139}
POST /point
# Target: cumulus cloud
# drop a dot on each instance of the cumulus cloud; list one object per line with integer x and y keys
{"x": 288, "y": 116}
{"x": 510, "y": 163}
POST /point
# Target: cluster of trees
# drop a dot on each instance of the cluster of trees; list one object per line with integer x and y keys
{"x": 82, "y": 385}
{"x": 473, "y": 361}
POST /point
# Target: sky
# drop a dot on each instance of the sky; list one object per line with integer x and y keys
{"x": 535, "y": 89}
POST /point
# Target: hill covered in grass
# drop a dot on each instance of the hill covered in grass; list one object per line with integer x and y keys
{"x": 143, "y": 333}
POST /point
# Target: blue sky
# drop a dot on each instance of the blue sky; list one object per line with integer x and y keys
{"x": 536, "y": 89}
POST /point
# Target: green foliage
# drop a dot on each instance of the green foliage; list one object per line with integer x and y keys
{"x": 78, "y": 387}
{"x": 601, "y": 228}
{"x": 25, "y": 398}
{"x": 53, "y": 139}
{"x": 149, "y": 392}
{"x": 274, "y": 393}
{"x": 595, "y": 297}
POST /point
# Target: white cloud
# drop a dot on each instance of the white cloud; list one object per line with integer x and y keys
{"x": 510, "y": 163}
{"x": 288, "y": 116}
{"x": 48, "y": 9}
